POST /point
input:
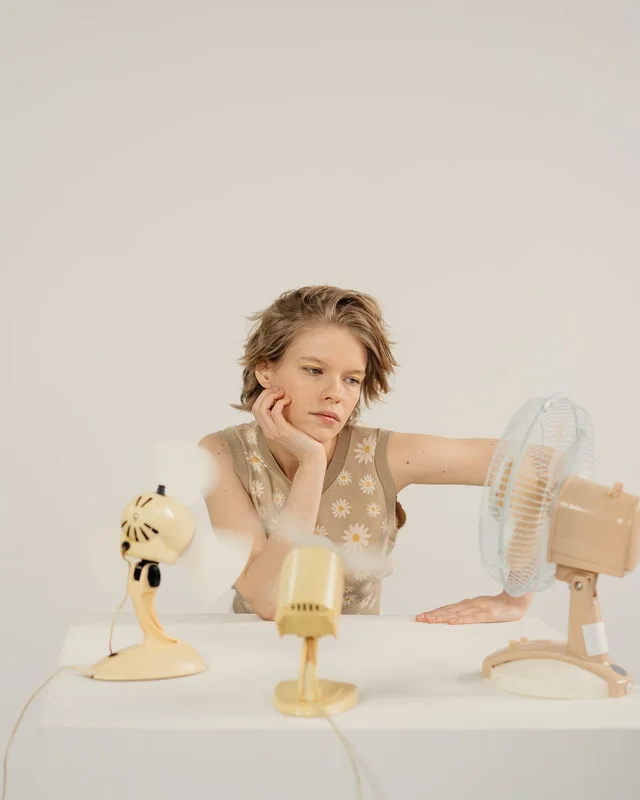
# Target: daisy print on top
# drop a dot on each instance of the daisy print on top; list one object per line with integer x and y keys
{"x": 373, "y": 510}
{"x": 356, "y": 537}
{"x": 357, "y": 504}
{"x": 367, "y": 484}
{"x": 256, "y": 462}
{"x": 279, "y": 499}
{"x": 365, "y": 450}
{"x": 341, "y": 508}
{"x": 344, "y": 478}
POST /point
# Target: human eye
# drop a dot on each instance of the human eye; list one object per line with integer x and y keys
{"x": 313, "y": 370}
{"x": 356, "y": 382}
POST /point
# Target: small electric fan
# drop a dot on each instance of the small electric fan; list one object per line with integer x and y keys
{"x": 157, "y": 528}
{"x": 309, "y": 605}
{"x": 543, "y": 519}
{"x": 154, "y": 529}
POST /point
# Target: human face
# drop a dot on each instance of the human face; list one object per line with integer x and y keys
{"x": 322, "y": 372}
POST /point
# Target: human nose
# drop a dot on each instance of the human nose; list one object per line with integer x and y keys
{"x": 333, "y": 388}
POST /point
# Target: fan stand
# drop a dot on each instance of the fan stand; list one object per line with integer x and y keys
{"x": 158, "y": 655}
{"x": 577, "y": 668}
{"x": 309, "y": 696}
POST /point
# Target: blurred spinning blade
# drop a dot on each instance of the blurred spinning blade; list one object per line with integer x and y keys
{"x": 214, "y": 559}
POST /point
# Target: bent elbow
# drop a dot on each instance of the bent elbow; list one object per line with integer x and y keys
{"x": 268, "y": 614}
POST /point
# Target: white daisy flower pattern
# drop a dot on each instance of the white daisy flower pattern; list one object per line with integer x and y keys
{"x": 320, "y": 530}
{"x": 252, "y": 437}
{"x": 356, "y": 537}
{"x": 386, "y": 527}
{"x": 257, "y": 488}
{"x": 365, "y": 450}
{"x": 255, "y": 461}
{"x": 349, "y": 595}
{"x": 373, "y": 510}
{"x": 367, "y": 484}
{"x": 341, "y": 508}
{"x": 344, "y": 478}
{"x": 279, "y": 499}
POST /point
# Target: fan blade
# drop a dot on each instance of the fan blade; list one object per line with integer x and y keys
{"x": 105, "y": 560}
{"x": 375, "y": 561}
{"x": 215, "y": 558}
{"x": 186, "y": 469}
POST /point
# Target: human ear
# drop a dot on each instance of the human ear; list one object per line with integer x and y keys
{"x": 263, "y": 375}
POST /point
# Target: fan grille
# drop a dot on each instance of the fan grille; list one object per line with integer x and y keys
{"x": 547, "y": 440}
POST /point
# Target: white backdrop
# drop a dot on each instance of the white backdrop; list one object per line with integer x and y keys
{"x": 169, "y": 170}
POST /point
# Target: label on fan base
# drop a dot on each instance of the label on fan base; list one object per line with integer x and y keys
{"x": 595, "y": 638}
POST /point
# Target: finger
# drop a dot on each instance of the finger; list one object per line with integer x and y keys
{"x": 258, "y": 405}
{"x": 470, "y": 610}
{"x": 441, "y": 609}
{"x": 265, "y": 416}
{"x": 444, "y": 611}
{"x": 262, "y": 414}
{"x": 278, "y": 394}
{"x": 277, "y": 412}
{"x": 470, "y": 619}
{"x": 429, "y": 616}
{"x": 267, "y": 398}
{"x": 444, "y": 619}
{"x": 280, "y": 403}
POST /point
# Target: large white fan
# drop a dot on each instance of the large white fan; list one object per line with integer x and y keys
{"x": 543, "y": 519}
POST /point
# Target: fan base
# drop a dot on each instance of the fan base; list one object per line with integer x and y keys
{"x": 150, "y": 660}
{"x": 549, "y": 669}
{"x": 333, "y": 697}
{"x": 552, "y": 679}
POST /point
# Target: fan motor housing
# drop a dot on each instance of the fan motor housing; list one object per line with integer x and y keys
{"x": 310, "y": 593}
{"x": 595, "y": 528}
{"x": 156, "y": 527}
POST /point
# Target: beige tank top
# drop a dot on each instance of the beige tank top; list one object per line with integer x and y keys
{"x": 358, "y": 507}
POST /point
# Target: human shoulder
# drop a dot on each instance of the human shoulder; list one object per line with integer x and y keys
{"x": 217, "y": 445}
{"x": 231, "y": 447}
{"x": 223, "y": 442}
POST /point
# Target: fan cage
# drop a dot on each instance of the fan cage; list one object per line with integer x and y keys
{"x": 547, "y": 440}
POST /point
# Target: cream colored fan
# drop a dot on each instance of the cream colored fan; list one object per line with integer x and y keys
{"x": 309, "y": 605}
{"x": 544, "y": 519}
{"x": 155, "y": 529}
{"x": 158, "y": 528}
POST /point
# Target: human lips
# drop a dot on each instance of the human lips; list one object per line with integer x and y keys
{"x": 326, "y": 415}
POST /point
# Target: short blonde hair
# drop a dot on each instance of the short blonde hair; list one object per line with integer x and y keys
{"x": 276, "y": 327}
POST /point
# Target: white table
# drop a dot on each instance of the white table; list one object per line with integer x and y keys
{"x": 427, "y": 725}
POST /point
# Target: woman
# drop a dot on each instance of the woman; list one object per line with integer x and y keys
{"x": 313, "y": 356}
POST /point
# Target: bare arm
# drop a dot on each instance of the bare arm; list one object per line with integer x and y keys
{"x": 231, "y": 508}
{"x": 420, "y": 458}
